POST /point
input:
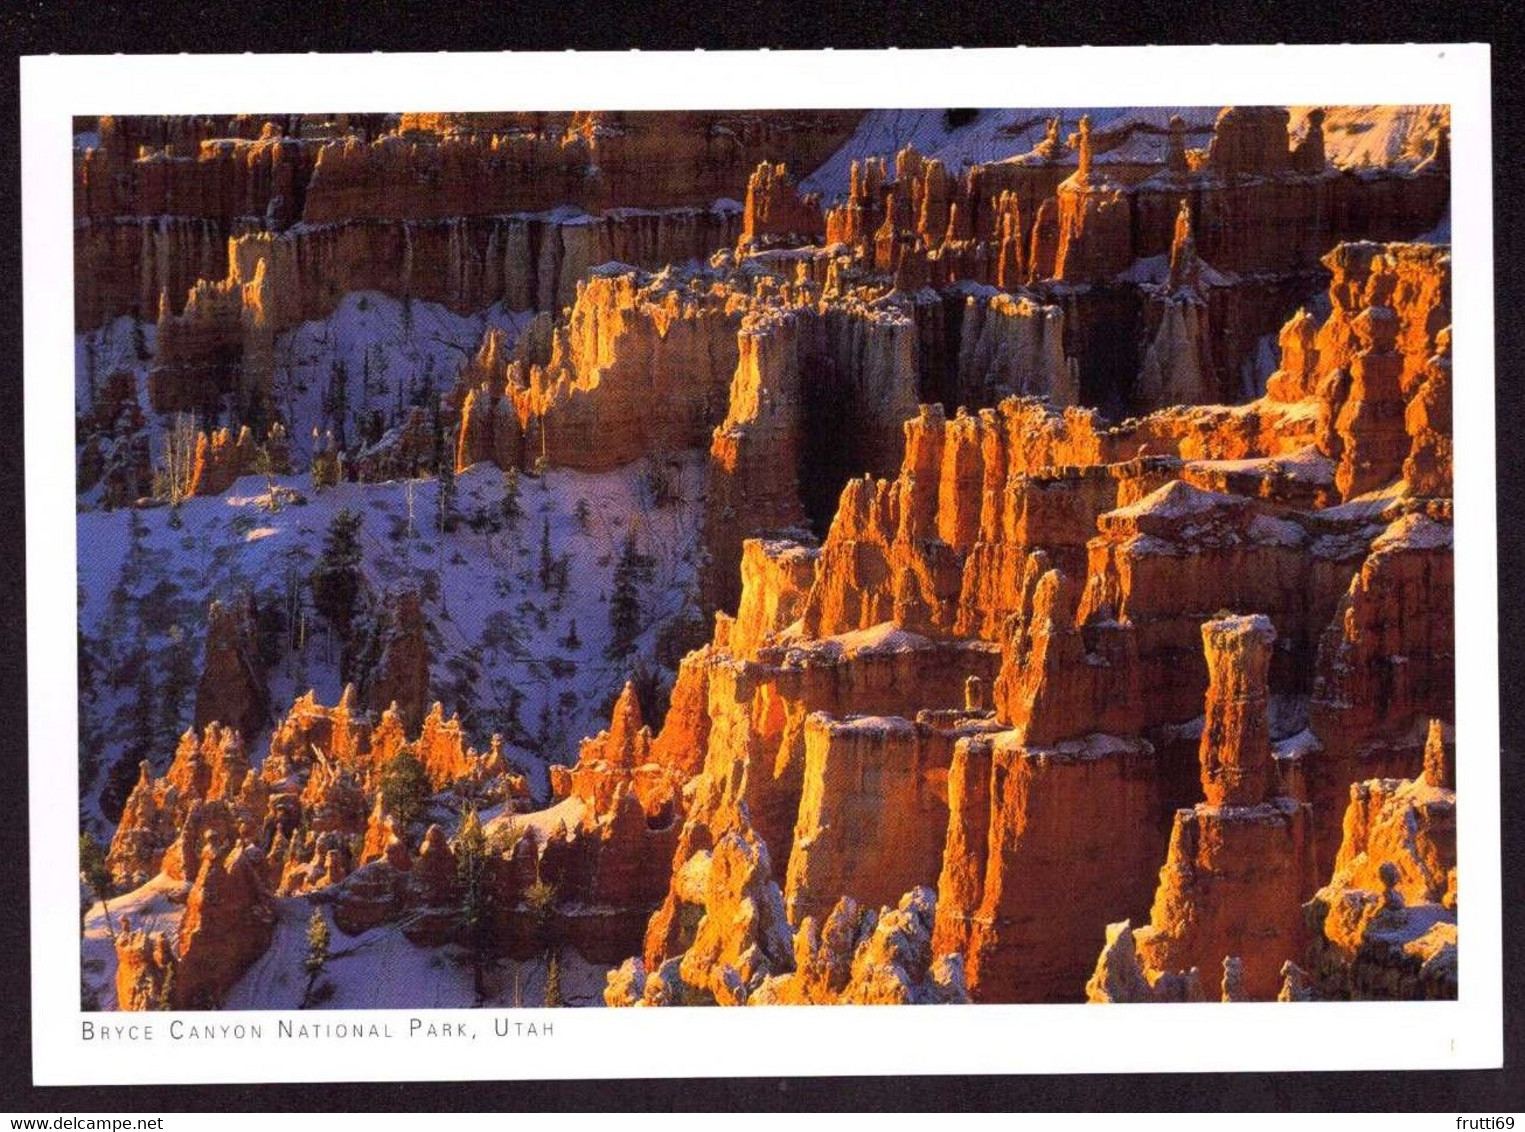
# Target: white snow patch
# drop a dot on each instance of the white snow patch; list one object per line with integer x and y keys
{"x": 1414, "y": 531}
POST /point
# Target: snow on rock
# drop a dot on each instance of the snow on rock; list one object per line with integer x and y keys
{"x": 1379, "y": 136}
{"x": 1001, "y": 135}
{"x": 1414, "y": 531}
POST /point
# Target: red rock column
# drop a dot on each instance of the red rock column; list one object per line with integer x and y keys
{"x": 1235, "y": 753}
{"x": 1241, "y": 864}
{"x": 1371, "y": 422}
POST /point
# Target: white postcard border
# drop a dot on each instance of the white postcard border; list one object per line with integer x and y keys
{"x": 777, "y": 1040}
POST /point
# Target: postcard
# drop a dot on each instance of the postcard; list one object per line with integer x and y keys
{"x": 744, "y": 563}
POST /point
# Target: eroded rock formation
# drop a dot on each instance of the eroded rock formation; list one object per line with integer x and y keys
{"x": 227, "y": 924}
{"x": 743, "y": 950}
{"x": 1239, "y": 863}
{"x": 161, "y": 202}
{"x": 1385, "y": 925}
{"x": 987, "y": 651}
{"x": 1085, "y": 558}
{"x": 232, "y": 687}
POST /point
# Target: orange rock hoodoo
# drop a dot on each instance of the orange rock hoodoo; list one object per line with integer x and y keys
{"x": 228, "y": 923}
{"x": 1106, "y": 581}
{"x": 1385, "y": 925}
{"x": 1240, "y": 864}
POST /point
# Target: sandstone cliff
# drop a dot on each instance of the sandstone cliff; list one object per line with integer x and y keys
{"x": 162, "y": 200}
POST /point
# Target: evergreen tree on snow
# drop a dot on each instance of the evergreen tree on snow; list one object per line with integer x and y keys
{"x": 547, "y": 562}
{"x": 95, "y": 874}
{"x": 476, "y": 894}
{"x": 444, "y": 519}
{"x": 336, "y": 578}
{"x": 553, "y": 982}
{"x": 405, "y": 787}
{"x": 513, "y": 508}
{"x": 317, "y": 952}
{"x": 631, "y": 571}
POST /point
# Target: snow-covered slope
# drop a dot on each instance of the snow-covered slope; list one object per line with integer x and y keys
{"x": 378, "y": 969}
{"x": 499, "y": 638}
{"x": 388, "y": 352}
{"x": 1376, "y": 135}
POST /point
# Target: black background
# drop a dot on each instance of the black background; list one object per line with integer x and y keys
{"x": 35, "y": 27}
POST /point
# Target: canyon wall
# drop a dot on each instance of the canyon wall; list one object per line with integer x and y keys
{"x": 161, "y": 203}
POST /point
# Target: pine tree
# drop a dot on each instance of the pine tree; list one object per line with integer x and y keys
{"x": 92, "y": 361}
{"x": 317, "y": 943}
{"x": 300, "y": 644}
{"x": 95, "y": 874}
{"x": 133, "y": 560}
{"x": 631, "y": 571}
{"x": 179, "y": 679}
{"x": 553, "y": 982}
{"x": 543, "y": 730}
{"x": 336, "y": 397}
{"x": 326, "y": 461}
{"x": 142, "y": 737}
{"x": 444, "y": 519}
{"x": 405, "y": 787}
{"x": 264, "y": 468}
{"x": 572, "y": 640}
{"x": 165, "y": 999}
{"x": 476, "y": 895}
{"x": 317, "y": 952}
{"x": 547, "y": 562}
{"x": 335, "y": 580}
{"x": 541, "y": 899}
{"x": 513, "y": 508}
{"x": 583, "y": 514}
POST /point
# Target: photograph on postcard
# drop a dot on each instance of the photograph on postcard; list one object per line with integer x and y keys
{"x": 682, "y": 558}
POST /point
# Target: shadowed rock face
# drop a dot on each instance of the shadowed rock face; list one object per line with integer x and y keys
{"x": 969, "y": 661}
{"x": 232, "y": 686}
